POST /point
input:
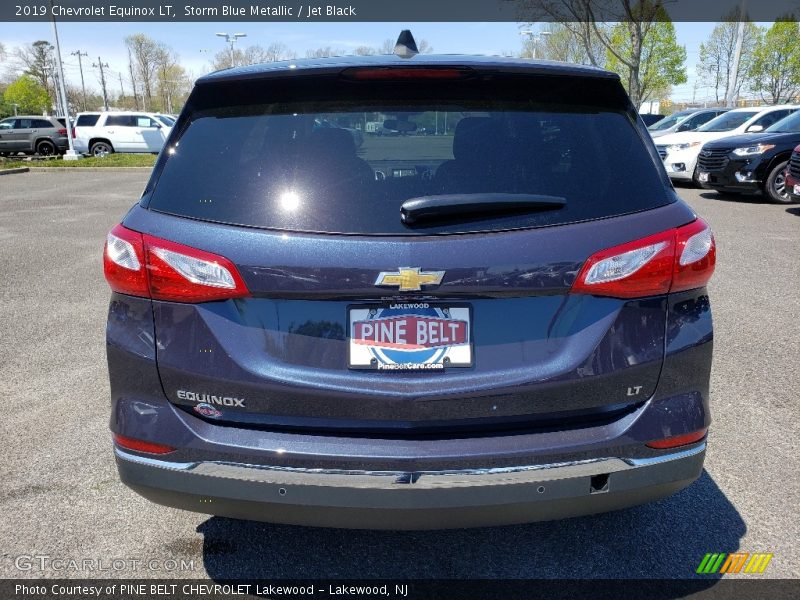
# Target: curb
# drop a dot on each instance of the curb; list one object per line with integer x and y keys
{"x": 13, "y": 171}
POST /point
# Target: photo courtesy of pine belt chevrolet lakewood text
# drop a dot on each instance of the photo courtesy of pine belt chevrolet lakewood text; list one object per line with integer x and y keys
{"x": 381, "y": 292}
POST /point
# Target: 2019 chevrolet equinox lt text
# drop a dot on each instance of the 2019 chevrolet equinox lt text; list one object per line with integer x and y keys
{"x": 425, "y": 331}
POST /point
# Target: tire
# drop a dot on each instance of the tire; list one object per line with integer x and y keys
{"x": 46, "y": 148}
{"x": 101, "y": 149}
{"x": 775, "y": 185}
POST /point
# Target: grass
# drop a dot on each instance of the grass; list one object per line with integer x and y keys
{"x": 112, "y": 160}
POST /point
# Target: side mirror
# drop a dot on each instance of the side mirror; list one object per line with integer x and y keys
{"x": 755, "y": 128}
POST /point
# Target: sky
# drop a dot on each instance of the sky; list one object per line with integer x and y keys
{"x": 196, "y": 43}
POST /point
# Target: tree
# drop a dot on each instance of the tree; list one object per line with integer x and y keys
{"x": 323, "y": 52}
{"x": 37, "y": 61}
{"x": 659, "y": 65}
{"x": 715, "y": 64}
{"x": 252, "y": 55}
{"x": 144, "y": 52}
{"x": 28, "y": 94}
{"x": 774, "y": 71}
{"x": 3, "y": 52}
{"x": 625, "y": 43}
{"x": 365, "y": 51}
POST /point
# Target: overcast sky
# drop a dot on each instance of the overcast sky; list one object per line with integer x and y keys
{"x": 196, "y": 42}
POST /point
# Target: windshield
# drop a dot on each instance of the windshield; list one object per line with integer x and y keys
{"x": 790, "y": 124}
{"x": 669, "y": 121}
{"x": 728, "y": 121}
{"x": 347, "y": 166}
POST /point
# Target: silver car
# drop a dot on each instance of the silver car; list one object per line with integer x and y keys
{"x": 45, "y": 136}
{"x": 684, "y": 120}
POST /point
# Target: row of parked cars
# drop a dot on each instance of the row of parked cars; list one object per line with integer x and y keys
{"x": 95, "y": 133}
{"x": 739, "y": 151}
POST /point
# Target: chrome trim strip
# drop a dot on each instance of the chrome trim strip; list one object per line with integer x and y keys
{"x": 398, "y": 479}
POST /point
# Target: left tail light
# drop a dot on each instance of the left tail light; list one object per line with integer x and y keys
{"x": 674, "y": 260}
{"x": 144, "y": 265}
{"x": 62, "y": 132}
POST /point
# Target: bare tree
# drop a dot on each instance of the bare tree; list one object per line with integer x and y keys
{"x": 145, "y": 52}
{"x": 36, "y": 60}
{"x": 323, "y": 52}
{"x": 715, "y": 64}
{"x": 365, "y": 51}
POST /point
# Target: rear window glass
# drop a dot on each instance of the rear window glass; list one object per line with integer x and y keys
{"x": 346, "y": 166}
{"x": 41, "y": 124}
{"x": 120, "y": 121}
{"x": 87, "y": 120}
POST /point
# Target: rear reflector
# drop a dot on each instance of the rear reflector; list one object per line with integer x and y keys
{"x": 406, "y": 73}
{"x": 144, "y": 265}
{"x": 141, "y": 445}
{"x": 678, "y": 440}
{"x": 671, "y": 261}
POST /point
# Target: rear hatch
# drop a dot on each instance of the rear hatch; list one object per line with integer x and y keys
{"x": 414, "y": 276}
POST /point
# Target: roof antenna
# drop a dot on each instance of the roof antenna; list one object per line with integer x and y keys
{"x": 406, "y": 47}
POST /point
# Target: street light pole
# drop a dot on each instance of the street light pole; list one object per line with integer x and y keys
{"x": 70, "y": 154}
{"x": 534, "y": 37}
{"x": 231, "y": 39}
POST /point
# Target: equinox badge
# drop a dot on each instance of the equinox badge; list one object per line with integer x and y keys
{"x": 409, "y": 279}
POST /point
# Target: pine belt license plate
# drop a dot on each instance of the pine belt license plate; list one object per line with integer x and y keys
{"x": 702, "y": 177}
{"x": 409, "y": 336}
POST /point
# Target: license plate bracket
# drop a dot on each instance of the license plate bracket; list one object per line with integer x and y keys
{"x": 409, "y": 336}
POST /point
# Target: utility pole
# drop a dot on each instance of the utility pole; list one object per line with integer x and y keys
{"x": 121, "y": 89}
{"x": 79, "y": 54}
{"x": 733, "y": 74}
{"x": 102, "y": 81}
{"x": 133, "y": 80}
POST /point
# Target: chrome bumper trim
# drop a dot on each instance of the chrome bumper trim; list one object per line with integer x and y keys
{"x": 416, "y": 479}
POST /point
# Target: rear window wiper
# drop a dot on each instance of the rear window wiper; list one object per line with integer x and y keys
{"x": 450, "y": 206}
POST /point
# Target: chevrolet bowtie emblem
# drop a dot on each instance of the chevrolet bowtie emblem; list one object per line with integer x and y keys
{"x": 409, "y": 279}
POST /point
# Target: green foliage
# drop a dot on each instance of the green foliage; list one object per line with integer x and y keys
{"x": 661, "y": 60}
{"x": 774, "y": 71}
{"x": 29, "y": 94}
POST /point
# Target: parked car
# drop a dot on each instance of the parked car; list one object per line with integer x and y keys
{"x": 679, "y": 151}
{"x": 101, "y": 133}
{"x": 649, "y": 119}
{"x": 45, "y": 136}
{"x": 793, "y": 176}
{"x": 753, "y": 162}
{"x": 684, "y": 120}
{"x": 478, "y": 338}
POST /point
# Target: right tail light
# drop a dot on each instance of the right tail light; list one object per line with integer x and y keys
{"x": 671, "y": 261}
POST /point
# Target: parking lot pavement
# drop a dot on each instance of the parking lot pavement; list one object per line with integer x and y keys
{"x": 60, "y": 496}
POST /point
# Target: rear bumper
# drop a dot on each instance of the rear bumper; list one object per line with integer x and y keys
{"x": 362, "y": 499}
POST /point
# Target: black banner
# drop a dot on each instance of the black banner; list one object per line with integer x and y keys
{"x": 372, "y": 10}
{"x": 109, "y": 589}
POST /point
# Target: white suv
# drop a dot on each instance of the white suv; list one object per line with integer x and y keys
{"x": 101, "y": 133}
{"x": 679, "y": 151}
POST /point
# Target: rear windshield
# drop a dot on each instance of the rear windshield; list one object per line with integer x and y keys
{"x": 346, "y": 165}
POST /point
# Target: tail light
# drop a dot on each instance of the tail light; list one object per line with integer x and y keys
{"x": 62, "y": 131}
{"x": 74, "y": 135}
{"x": 671, "y": 261}
{"x": 144, "y": 265}
{"x": 678, "y": 440}
{"x": 141, "y": 445}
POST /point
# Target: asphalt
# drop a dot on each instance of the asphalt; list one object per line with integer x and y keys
{"x": 60, "y": 496}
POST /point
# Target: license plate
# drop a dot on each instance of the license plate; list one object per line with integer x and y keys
{"x": 409, "y": 336}
{"x": 702, "y": 177}
{"x": 796, "y": 190}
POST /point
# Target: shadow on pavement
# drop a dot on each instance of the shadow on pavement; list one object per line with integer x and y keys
{"x": 743, "y": 198}
{"x": 665, "y": 539}
{"x": 795, "y": 210}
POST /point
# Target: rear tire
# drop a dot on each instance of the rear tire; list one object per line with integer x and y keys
{"x": 46, "y": 148}
{"x": 775, "y": 186}
{"x": 101, "y": 149}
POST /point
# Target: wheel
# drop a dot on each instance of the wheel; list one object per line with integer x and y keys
{"x": 775, "y": 186}
{"x": 45, "y": 148}
{"x": 101, "y": 149}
